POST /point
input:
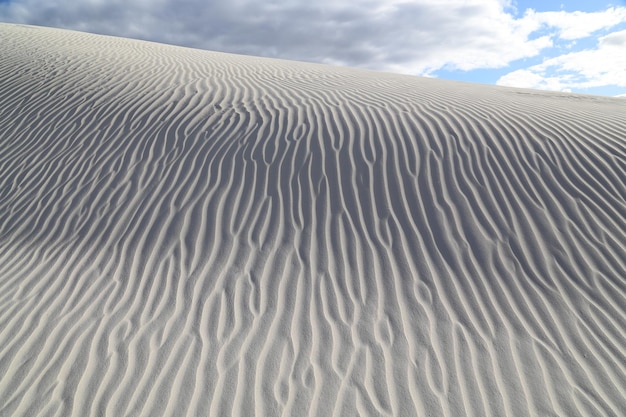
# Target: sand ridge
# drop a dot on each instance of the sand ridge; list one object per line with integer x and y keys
{"x": 190, "y": 233}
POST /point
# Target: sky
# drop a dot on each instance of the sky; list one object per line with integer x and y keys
{"x": 571, "y": 46}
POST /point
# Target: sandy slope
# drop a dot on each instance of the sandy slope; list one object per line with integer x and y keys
{"x": 187, "y": 233}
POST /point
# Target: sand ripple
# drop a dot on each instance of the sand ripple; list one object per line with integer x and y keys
{"x": 188, "y": 233}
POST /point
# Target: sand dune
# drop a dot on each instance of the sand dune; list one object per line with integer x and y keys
{"x": 189, "y": 233}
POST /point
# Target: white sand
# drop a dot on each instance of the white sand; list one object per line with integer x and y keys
{"x": 188, "y": 233}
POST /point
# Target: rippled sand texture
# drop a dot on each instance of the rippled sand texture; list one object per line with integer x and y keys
{"x": 188, "y": 233}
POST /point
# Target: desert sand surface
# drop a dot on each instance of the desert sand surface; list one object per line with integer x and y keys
{"x": 190, "y": 233}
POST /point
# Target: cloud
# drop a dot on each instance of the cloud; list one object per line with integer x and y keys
{"x": 578, "y": 25}
{"x": 409, "y": 36}
{"x": 601, "y": 66}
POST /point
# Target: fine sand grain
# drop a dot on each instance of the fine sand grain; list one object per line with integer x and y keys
{"x": 189, "y": 233}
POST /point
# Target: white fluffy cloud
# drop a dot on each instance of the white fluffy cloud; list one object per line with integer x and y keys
{"x": 410, "y": 36}
{"x": 577, "y": 25}
{"x": 603, "y": 65}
